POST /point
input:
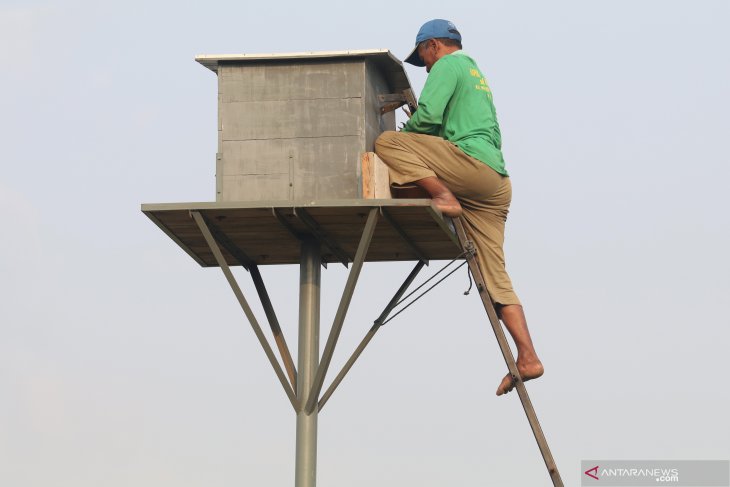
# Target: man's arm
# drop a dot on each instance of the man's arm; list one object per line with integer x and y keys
{"x": 437, "y": 92}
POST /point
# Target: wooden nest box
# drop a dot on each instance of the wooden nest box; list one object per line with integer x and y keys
{"x": 298, "y": 126}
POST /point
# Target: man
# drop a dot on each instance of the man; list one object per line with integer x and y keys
{"x": 451, "y": 147}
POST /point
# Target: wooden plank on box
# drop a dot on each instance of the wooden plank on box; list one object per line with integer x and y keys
{"x": 375, "y": 177}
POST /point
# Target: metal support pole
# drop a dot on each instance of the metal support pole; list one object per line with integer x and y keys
{"x": 308, "y": 361}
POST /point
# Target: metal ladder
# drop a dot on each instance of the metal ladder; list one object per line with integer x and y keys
{"x": 470, "y": 252}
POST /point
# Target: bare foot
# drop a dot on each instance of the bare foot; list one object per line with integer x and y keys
{"x": 528, "y": 371}
{"x": 447, "y": 204}
{"x": 441, "y": 197}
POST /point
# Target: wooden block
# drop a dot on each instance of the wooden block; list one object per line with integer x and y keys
{"x": 375, "y": 177}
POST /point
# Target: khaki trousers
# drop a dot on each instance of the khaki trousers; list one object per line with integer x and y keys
{"x": 484, "y": 194}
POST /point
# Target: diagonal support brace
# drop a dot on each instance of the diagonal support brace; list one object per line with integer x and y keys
{"x": 200, "y": 221}
{"x": 258, "y": 281}
{"x": 329, "y": 349}
{"x": 371, "y": 333}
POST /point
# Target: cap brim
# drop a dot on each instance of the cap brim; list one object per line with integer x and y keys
{"x": 414, "y": 59}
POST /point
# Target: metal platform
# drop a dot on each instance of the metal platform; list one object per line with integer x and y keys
{"x": 264, "y": 233}
{"x": 311, "y": 234}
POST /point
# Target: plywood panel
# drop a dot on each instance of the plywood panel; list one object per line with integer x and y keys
{"x": 328, "y": 170}
{"x": 282, "y": 81}
{"x": 313, "y": 168}
{"x": 255, "y": 187}
{"x": 241, "y": 157}
{"x": 291, "y": 119}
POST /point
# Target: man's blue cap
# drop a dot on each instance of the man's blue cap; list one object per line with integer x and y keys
{"x": 433, "y": 29}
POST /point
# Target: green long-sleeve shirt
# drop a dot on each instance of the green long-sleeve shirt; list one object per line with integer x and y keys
{"x": 456, "y": 104}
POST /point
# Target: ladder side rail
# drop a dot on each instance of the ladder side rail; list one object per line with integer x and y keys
{"x": 507, "y": 353}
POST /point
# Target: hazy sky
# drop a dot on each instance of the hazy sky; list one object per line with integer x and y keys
{"x": 123, "y": 363}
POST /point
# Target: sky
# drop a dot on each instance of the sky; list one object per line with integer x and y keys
{"x": 124, "y": 363}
